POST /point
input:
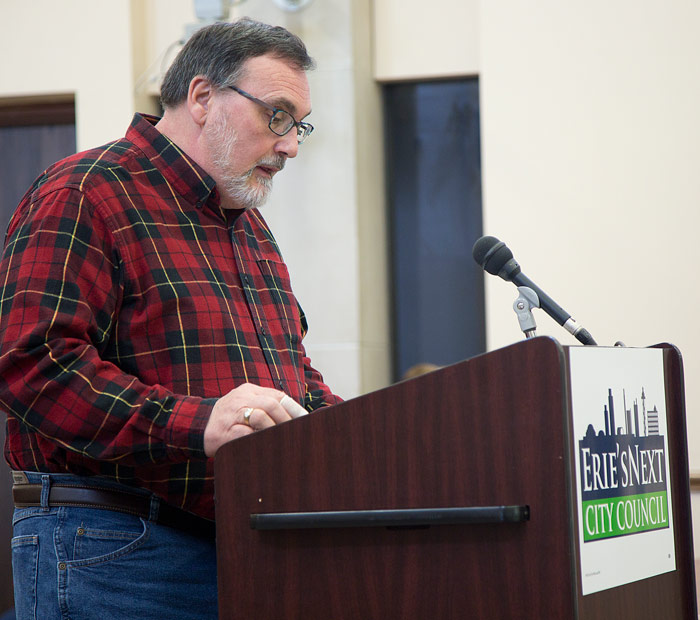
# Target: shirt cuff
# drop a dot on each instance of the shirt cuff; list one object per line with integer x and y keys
{"x": 186, "y": 427}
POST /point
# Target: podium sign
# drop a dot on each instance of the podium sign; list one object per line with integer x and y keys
{"x": 623, "y": 495}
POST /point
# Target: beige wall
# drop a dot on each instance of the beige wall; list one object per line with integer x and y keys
{"x": 414, "y": 39}
{"x": 591, "y": 149}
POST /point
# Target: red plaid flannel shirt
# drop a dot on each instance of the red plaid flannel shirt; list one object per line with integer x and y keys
{"x": 130, "y": 302}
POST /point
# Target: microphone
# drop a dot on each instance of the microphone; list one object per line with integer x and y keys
{"x": 495, "y": 257}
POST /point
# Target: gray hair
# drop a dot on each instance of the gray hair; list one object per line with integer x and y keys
{"x": 218, "y": 52}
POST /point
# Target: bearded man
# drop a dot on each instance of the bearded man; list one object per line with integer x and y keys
{"x": 146, "y": 319}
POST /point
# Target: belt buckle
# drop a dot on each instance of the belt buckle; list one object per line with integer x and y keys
{"x": 19, "y": 477}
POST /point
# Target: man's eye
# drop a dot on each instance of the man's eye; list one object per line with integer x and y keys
{"x": 277, "y": 120}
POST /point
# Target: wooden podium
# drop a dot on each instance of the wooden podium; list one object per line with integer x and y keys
{"x": 451, "y": 495}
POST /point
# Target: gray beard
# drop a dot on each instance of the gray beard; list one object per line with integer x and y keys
{"x": 247, "y": 195}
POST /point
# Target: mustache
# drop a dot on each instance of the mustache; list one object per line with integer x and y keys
{"x": 278, "y": 162}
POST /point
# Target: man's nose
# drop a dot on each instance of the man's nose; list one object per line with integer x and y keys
{"x": 288, "y": 143}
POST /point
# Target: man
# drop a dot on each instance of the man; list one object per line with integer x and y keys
{"x": 146, "y": 318}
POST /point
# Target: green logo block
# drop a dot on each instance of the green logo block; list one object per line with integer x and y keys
{"x": 621, "y": 516}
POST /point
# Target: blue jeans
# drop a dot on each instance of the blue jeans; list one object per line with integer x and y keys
{"x": 83, "y": 563}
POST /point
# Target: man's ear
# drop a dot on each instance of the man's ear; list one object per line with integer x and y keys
{"x": 199, "y": 97}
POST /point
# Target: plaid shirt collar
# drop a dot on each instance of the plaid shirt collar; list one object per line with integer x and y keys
{"x": 188, "y": 178}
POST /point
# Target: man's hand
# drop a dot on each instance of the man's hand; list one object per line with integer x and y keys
{"x": 244, "y": 410}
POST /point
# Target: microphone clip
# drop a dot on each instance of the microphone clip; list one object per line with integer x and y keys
{"x": 523, "y": 305}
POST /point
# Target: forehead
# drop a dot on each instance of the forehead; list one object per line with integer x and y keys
{"x": 277, "y": 82}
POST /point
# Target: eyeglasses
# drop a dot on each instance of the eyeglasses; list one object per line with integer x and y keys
{"x": 281, "y": 121}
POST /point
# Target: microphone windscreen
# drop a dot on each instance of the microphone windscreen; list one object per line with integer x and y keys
{"x": 491, "y": 254}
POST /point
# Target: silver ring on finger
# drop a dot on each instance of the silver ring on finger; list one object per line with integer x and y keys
{"x": 246, "y": 415}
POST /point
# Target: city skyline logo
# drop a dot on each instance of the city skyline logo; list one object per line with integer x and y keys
{"x": 622, "y": 467}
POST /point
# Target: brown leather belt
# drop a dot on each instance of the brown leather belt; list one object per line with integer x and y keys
{"x": 29, "y": 495}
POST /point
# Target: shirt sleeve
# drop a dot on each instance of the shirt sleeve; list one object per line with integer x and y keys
{"x": 62, "y": 285}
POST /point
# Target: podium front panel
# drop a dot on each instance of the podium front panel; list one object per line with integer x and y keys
{"x": 490, "y": 431}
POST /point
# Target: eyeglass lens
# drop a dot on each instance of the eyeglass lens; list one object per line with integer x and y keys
{"x": 283, "y": 121}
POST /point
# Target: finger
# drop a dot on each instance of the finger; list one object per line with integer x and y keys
{"x": 245, "y": 413}
{"x": 292, "y": 407}
{"x": 238, "y": 430}
{"x": 256, "y": 418}
{"x": 270, "y": 405}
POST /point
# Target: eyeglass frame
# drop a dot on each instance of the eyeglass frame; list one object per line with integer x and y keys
{"x": 303, "y": 129}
